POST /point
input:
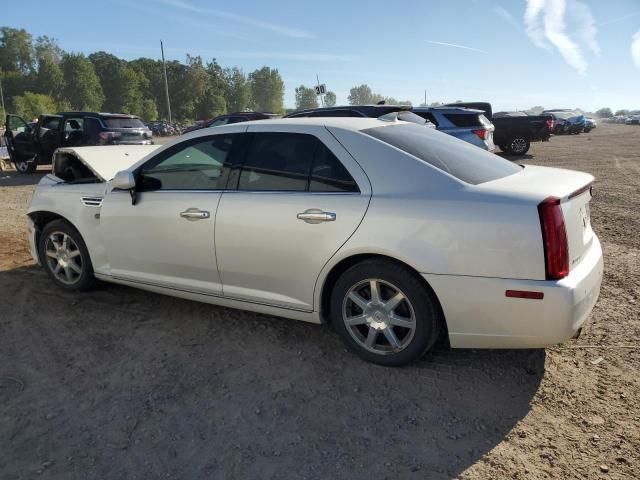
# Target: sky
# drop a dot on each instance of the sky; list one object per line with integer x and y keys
{"x": 513, "y": 53}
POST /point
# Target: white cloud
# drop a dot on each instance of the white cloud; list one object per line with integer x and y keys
{"x": 253, "y": 22}
{"x": 454, "y": 45}
{"x": 635, "y": 49}
{"x": 546, "y": 25}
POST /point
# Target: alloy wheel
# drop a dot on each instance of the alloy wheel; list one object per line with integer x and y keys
{"x": 379, "y": 316}
{"x": 518, "y": 145}
{"x": 63, "y": 258}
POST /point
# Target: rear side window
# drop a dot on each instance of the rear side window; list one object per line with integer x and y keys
{"x": 328, "y": 174}
{"x": 293, "y": 162}
{"x": 459, "y": 159}
{"x": 465, "y": 119}
{"x": 122, "y": 122}
{"x": 278, "y": 161}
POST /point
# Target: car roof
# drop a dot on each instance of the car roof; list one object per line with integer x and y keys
{"x": 366, "y": 109}
{"x": 100, "y": 114}
{"x": 451, "y": 109}
{"x": 347, "y": 123}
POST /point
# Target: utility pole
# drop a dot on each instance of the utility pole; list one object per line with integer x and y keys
{"x": 425, "y": 97}
{"x": 166, "y": 84}
{"x": 4, "y": 112}
{"x": 321, "y": 96}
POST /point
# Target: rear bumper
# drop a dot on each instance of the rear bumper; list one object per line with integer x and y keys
{"x": 479, "y": 315}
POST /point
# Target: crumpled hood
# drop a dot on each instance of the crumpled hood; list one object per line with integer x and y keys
{"x": 106, "y": 161}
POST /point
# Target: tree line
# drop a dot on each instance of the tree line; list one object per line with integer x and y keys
{"x": 40, "y": 77}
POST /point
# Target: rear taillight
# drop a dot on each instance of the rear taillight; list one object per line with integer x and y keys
{"x": 109, "y": 136}
{"x": 550, "y": 124}
{"x": 481, "y": 133}
{"x": 554, "y": 239}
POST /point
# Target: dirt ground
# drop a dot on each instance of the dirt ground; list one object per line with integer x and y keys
{"x": 120, "y": 383}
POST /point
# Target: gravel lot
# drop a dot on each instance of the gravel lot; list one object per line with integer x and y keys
{"x": 120, "y": 383}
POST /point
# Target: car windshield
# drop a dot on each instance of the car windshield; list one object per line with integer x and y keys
{"x": 123, "y": 122}
{"x": 459, "y": 159}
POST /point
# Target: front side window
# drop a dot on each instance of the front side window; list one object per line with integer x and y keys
{"x": 196, "y": 165}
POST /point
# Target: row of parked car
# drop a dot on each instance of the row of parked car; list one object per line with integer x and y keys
{"x": 626, "y": 120}
{"x": 30, "y": 144}
{"x": 472, "y": 122}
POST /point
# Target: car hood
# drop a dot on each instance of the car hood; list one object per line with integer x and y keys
{"x": 106, "y": 161}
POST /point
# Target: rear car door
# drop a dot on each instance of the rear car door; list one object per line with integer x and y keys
{"x": 48, "y": 136}
{"x": 298, "y": 197}
{"x": 167, "y": 238}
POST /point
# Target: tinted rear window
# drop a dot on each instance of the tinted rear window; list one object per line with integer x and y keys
{"x": 465, "y": 119}
{"x": 459, "y": 159}
{"x": 122, "y": 122}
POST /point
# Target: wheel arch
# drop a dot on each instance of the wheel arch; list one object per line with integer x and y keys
{"x": 346, "y": 262}
{"x": 41, "y": 218}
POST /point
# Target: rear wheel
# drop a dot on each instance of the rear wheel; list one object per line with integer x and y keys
{"x": 518, "y": 146}
{"x": 385, "y": 313}
{"x": 65, "y": 257}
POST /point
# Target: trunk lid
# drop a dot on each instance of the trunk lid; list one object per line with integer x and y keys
{"x": 573, "y": 190}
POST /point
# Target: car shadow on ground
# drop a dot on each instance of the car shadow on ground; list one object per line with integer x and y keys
{"x": 11, "y": 178}
{"x": 119, "y": 382}
{"x": 514, "y": 158}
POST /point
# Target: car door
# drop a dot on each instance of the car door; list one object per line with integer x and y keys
{"x": 298, "y": 197}
{"x": 167, "y": 238}
{"x": 48, "y": 135}
{"x": 18, "y": 137}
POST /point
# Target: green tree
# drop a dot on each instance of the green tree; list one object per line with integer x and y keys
{"x": 121, "y": 83}
{"x": 330, "y": 99}
{"x": 604, "y": 113}
{"x": 306, "y": 98}
{"x": 30, "y": 105}
{"x": 82, "y": 87}
{"x": 622, "y": 113}
{"x": 16, "y": 50}
{"x": 47, "y": 48}
{"x": 237, "y": 90}
{"x": 267, "y": 90}
{"x": 362, "y": 95}
{"x": 49, "y": 79}
{"x": 149, "y": 110}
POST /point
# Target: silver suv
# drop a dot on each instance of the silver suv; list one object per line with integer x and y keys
{"x": 464, "y": 123}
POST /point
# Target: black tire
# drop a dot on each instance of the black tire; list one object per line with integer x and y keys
{"x": 74, "y": 281}
{"x": 419, "y": 304}
{"x": 518, "y": 145}
{"x": 26, "y": 165}
{"x": 502, "y": 147}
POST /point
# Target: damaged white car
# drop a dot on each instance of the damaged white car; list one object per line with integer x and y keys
{"x": 395, "y": 234}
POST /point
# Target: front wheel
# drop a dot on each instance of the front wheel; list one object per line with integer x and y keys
{"x": 26, "y": 165}
{"x": 518, "y": 146}
{"x": 385, "y": 313}
{"x": 65, "y": 257}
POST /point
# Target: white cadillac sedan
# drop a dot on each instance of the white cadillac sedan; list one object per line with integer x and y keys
{"x": 393, "y": 233}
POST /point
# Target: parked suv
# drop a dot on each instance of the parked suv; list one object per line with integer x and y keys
{"x": 466, "y": 124}
{"x": 30, "y": 145}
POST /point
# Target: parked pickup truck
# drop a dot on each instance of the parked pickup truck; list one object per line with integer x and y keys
{"x": 514, "y": 131}
{"x": 32, "y": 144}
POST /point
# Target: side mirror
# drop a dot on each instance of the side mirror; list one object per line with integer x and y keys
{"x": 123, "y": 180}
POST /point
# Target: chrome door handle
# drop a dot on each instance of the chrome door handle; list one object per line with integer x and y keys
{"x": 194, "y": 214}
{"x": 315, "y": 215}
